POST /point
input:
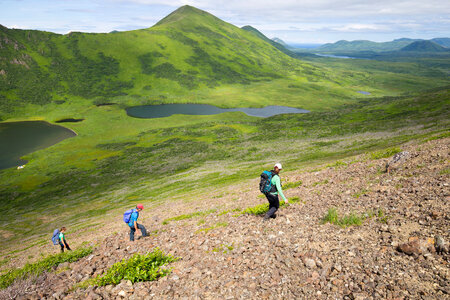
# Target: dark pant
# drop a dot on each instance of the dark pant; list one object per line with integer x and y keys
{"x": 133, "y": 230}
{"x": 62, "y": 246}
{"x": 274, "y": 204}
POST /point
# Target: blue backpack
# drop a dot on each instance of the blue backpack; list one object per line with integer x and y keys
{"x": 55, "y": 237}
{"x": 127, "y": 215}
{"x": 265, "y": 184}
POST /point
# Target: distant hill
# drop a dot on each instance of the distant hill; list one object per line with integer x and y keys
{"x": 276, "y": 44}
{"x": 280, "y": 41}
{"x": 363, "y": 45}
{"x": 424, "y": 46}
{"x": 444, "y": 42}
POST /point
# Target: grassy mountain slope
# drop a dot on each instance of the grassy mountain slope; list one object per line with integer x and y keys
{"x": 424, "y": 46}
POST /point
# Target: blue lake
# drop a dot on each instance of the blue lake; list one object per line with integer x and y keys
{"x": 364, "y": 93}
{"x": 166, "y": 110}
{"x": 20, "y": 138}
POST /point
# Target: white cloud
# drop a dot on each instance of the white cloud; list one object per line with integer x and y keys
{"x": 295, "y": 20}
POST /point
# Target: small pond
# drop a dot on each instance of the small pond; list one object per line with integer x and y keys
{"x": 166, "y": 110}
{"x": 336, "y": 56}
{"x": 20, "y": 138}
{"x": 364, "y": 93}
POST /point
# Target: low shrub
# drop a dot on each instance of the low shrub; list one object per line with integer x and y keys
{"x": 205, "y": 230}
{"x": 385, "y": 153}
{"x": 352, "y": 218}
{"x": 261, "y": 209}
{"x": 332, "y": 217}
{"x": 337, "y": 164}
{"x": 148, "y": 267}
{"x": 42, "y": 265}
{"x": 290, "y": 185}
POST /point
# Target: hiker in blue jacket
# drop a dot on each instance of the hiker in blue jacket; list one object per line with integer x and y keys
{"x": 134, "y": 226}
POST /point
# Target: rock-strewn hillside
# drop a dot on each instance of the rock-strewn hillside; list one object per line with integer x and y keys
{"x": 295, "y": 256}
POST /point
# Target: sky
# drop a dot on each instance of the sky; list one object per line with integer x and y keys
{"x": 294, "y": 21}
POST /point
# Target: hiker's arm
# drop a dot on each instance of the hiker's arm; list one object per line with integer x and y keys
{"x": 279, "y": 189}
{"x": 135, "y": 225}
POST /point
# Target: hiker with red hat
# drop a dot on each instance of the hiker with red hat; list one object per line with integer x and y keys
{"x": 133, "y": 224}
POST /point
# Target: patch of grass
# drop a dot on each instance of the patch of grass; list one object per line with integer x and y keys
{"x": 217, "y": 225}
{"x": 320, "y": 182}
{"x": 360, "y": 193}
{"x": 224, "y": 248}
{"x": 4, "y": 261}
{"x": 42, "y": 265}
{"x": 223, "y": 213}
{"x": 437, "y": 137}
{"x": 385, "y": 153}
{"x": 337, "y": 164}
{"x": 294, "y": 199}
{"x": 381, "y": 216}
{"x": 148, "y": 267}
{"x": 445, "y": 171}
{"x": 325, "y": 143}
{"x": 261, "y": 209}
{"x": 189, "y": 216}
{"x": 290, "y": 185}
{"x": 332, "y": 217}
{"x": 352, "y": 219}
{"x": 201, "y": 222}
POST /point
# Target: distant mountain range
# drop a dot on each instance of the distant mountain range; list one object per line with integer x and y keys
{"x": 395, "y": 45}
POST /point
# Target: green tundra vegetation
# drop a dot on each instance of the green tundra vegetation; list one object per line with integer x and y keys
{"x": 188, "y": 57}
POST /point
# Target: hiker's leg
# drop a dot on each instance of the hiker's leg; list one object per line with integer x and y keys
{"x": 67, "y": 246}
{"x": 143, "y": 230}
{"x": 274, "y": 204}
{"x": 132, "y": 230}
{"x": 62, "y": 247}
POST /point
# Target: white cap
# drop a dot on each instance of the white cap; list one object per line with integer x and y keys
{"x": 278, "y": 165}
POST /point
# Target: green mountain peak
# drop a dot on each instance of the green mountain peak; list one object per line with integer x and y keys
{"x": 186, "y": 13}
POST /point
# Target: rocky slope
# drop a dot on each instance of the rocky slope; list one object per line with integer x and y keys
{"x": 294, "y": 256}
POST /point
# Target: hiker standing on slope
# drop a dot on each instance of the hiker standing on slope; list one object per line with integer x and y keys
{"x": 134, "y": 226}
{"x": 62, "y": 239}
{"x": 272, "y": 195}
